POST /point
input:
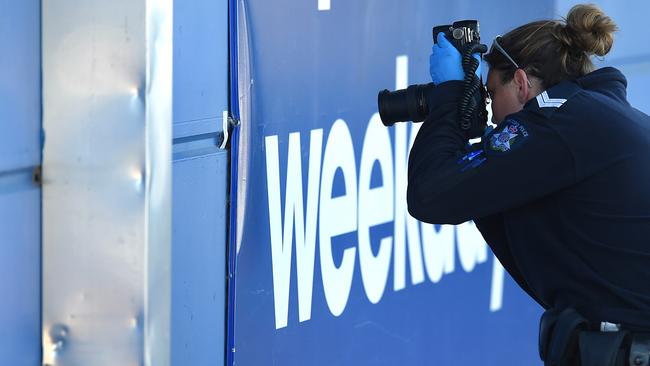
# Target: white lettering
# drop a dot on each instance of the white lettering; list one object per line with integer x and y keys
{"x": 401, "y": 72}
{"x": 403, "y": 220}
{"x": 306, "y": 249}
{"x": 338, "y": 215}
{"x": 323, "y": 5}
{"x": 280, "y": 251}
{"x": 375, "y": 208}
{"x": 293, "y": 212}
{"x": 496, "y": 291}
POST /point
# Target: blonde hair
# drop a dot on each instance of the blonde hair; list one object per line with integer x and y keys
{"x": 556, "y": 50}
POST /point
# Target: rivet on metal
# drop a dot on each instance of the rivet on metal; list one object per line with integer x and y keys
{"x": 37, "y": 175}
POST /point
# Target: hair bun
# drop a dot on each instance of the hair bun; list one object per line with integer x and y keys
{"x": 590, "y": 29}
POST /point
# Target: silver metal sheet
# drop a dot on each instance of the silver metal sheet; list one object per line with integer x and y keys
{"x": 106, "y": 181}
{"x": 245, "y": 86}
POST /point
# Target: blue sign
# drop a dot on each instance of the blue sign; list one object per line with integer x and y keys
{"x": 331, "y": 269}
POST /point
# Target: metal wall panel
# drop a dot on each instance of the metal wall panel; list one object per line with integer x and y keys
{"x": 20, "y": 207}
{"x": 198, "y": 283}
{"x": 200, "y": 197}
{"x": 107, "y": 81}
{"x": 201, "y": 66}
{"x": 20, "y": 254}
{"x": 20, "y": 97}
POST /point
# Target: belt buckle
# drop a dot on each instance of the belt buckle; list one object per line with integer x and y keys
{"x": 609, "y": 327}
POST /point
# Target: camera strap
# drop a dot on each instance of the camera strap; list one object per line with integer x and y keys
{"x": 471, "y": 108}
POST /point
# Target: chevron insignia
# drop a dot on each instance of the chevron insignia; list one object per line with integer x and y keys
{"x": 543, "y": 100}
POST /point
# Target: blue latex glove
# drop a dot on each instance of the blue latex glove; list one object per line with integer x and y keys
{"x": 445, "y": 62}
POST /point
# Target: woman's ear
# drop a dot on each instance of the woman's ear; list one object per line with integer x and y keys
{"x": 523, "y": 86}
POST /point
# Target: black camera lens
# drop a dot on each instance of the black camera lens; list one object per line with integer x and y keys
{"x": 391, "y": 108}
{"x": 408, "y": 104}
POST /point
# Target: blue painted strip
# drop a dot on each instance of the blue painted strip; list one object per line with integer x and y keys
{"x": 232, "y": 250}
{"x": 195, "y": 146}
{"x": 197, "y": 127}
{"x": 195, "y": 150}
{"x": 16, "y": 180}
{"x": 234, "y": 148}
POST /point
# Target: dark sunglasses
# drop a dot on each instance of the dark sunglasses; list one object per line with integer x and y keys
{"x": 497, "y": 46}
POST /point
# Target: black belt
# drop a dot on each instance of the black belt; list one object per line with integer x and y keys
{"x": 566, "y": 338}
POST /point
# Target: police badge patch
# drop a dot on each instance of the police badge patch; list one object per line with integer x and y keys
{"x": 511, "y": 134}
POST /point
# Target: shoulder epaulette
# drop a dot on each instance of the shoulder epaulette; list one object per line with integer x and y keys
{"x": 550, "y": 100}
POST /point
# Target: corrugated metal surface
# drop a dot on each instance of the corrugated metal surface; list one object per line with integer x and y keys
{"x": 200, "y": 182}
{"x": 20, "y": 208}
{"x": 107, "y": 81}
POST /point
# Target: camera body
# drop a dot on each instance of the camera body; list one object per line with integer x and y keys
{"x": 460, "y": 33}
{"x": 411, "y": 104}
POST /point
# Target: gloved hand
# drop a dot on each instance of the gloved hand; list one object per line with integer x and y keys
{"x": 445, "y": 62}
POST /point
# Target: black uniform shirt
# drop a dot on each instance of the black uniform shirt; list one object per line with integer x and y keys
{"x": 560, "y": 192}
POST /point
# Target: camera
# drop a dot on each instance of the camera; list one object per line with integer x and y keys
{"x": 411, "y": 104}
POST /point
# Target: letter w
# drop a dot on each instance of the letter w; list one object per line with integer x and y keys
{"x": 282, "y": 236}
